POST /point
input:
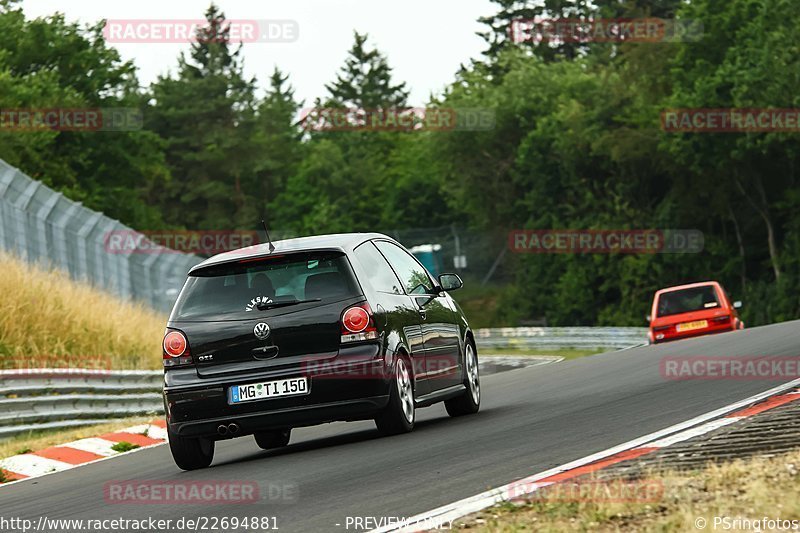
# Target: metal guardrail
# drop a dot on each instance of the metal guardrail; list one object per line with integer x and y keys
{"x": 42, "y": 226}
{"x": 38, "y": 399}
{"x": 606, "y": 338}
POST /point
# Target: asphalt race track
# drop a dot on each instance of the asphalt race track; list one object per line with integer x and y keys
{"x": 531, "y": 419}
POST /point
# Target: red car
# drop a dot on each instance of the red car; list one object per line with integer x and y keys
{"x": 692, "y": 310}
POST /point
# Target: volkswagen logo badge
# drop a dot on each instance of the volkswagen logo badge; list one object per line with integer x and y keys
{"x": 261, "y": 330}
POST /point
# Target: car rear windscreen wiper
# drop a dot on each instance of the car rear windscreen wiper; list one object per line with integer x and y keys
{"x": 263, "y": 306}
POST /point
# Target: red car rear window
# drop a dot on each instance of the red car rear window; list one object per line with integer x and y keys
{"x": 687, "y": 300}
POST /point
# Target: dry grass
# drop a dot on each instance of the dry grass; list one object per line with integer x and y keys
{"x": 40, "y": 440}
{"x": 744, "y": 489}
{"x": 45, "y": 316}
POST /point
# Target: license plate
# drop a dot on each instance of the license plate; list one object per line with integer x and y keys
{"x": 689, "y": 326}
{"x": 268, "y": 389}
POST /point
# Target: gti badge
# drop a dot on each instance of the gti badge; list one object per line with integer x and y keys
{"x": 261, "y": 330}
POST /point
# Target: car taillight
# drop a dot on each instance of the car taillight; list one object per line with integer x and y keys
{"x": 357, "y": 324}
{"x": 720, "y": 319}
{"x": 176, "y": 350}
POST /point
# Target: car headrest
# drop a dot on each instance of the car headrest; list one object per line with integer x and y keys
{"x": 325, "y": 285}
{"x": 263, "y": 285}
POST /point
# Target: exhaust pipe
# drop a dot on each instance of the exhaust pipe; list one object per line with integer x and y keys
{"x": 222, "y": 429}
{"x": 233, "y": 428}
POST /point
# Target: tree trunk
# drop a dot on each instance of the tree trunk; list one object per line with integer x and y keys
{"x": 740, "y": 242}
{"x": 773, "y": 248}
{"x": 763, "y": 210}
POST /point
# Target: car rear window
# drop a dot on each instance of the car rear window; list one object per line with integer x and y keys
{"x": 687, "y": 300}
{"x": 233, "y": 290}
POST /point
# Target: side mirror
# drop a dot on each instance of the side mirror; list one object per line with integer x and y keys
{"x": 737, "y": 304}
{"x": 648, "y": 317}
{"x": 450, "y": 282}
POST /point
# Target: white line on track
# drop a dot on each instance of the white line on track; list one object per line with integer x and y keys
{"x": 702, "y": 429}
{"x": 450, "y": 512}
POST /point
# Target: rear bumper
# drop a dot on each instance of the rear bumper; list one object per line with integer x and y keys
{"x": 197, "y": 407}
{"x": 307, "y": 415}
{"x": 673, "y": 335}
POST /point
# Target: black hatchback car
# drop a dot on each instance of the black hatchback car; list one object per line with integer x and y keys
{"x": 321, "y": 329}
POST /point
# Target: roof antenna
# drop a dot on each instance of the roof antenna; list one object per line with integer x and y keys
{"x": 269, "y": 240}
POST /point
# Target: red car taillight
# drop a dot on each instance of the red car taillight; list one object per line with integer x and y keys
{"x": 176, "y": 350}
{"x": 357, "y": 324}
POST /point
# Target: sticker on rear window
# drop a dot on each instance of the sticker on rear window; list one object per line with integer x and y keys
{"x": 257, "y": 300}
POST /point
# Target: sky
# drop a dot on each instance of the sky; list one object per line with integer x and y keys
{"x": 425, "y": 40}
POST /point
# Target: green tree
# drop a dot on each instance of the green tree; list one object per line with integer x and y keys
{"x": 110, "y": 171}
{"x": 503, "y": 30}
{"x": 365, "y": 80}
{"x": 336, "y": 186}
{"x": 279, "y": 140}
{"x": 206, "y": 116}
{"x": 746, "y": 61}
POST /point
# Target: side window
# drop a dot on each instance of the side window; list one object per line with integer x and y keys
{"x": 414, "y": 277}
{"x": 380, "y": 273}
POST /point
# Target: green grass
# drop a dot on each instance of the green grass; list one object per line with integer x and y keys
{"x": 565, "y": 353}
{"x": 124, "y": 446}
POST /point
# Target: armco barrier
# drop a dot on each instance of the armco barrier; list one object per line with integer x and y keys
{"x": 42, "y": 226}
{"x": 55, "y": 398}
{"x": 32, "y": 400}
{"x": 532, "y": 338}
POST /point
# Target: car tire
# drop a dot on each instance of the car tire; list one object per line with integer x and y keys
{"x": 470, "y": 402}
{"x": 268, "y": 440}
{"x": 191, "y": 453}
{"x": 399, "y": 415}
